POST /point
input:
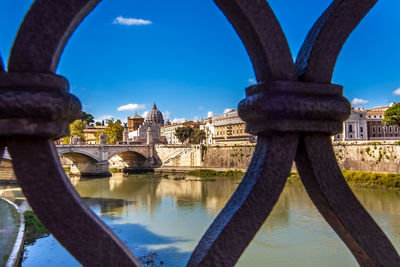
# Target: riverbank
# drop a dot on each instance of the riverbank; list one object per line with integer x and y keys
{"x": 353, "y": 178}
{"x": 12, "y": 233}
{"x": 372, "y": 180}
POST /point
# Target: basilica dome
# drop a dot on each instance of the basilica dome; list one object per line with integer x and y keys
{"x": 154, "y": 116}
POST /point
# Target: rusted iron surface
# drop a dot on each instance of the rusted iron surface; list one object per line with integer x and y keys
{"x": 44, "y": 32}
{"x": 308, "y": 105}
{"x": 293, "y": 109}
{"x": 37, "y": 107}
{"x": 236, "y": 225}
{"x": 57, "y": 204}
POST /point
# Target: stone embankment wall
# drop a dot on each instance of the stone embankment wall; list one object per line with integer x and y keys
{"x": 234, "y": 157}
{"x": 178, "y": 155}
{"x": 368, "y": 156}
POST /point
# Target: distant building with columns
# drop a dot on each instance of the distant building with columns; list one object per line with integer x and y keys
{"x": 229, "y": 128}
{"x": 367, "y": 124}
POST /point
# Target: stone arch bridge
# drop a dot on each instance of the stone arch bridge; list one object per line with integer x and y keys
{"x": 93, "y": 160}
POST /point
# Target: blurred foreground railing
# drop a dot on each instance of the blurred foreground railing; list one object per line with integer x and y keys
{"x": 294, "y": 108}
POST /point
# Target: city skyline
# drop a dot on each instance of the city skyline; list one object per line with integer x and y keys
{"x": 186, "y": 57}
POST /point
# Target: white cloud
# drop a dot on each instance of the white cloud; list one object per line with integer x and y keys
{"x": 195, "y": 118}
{"x": 144, "y": 114}
{"x": 104, "y": 117}
{"x": 210, "y": 114}
{"x": 227, "y": 110}
{"x": 251, "y": 80}
{"x": 397, "y": 91}
{"x": 359, "y": 101}
{"x": 131, "y": 107}
{"x": 131, "y": 21}
{"x": 178, "y": 120}
{"x": 166, "y": 115}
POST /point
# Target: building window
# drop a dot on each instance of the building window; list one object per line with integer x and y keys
{"x": 360, "y": 115}
{"x": 350, "y": 128}
{"x": 351, "y": 136}
{"x": 373, "y": 129}
{"x": 380, "y": 116}
{"x": 338, "y": 136}
{"x": 395, "y": 129}
{"x": 374, "y": 116}
{"x": 390, "y": 128}
{"x": 379, "y": 129}
{"x": 384, "y": 128}
{"x": 373, "y": 135}
{"x": 361, "y": 129}
{"x": 361, "y": 136}
{"x": 369, "y": 116}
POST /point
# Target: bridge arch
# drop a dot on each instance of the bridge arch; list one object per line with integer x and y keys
{"x": 128, "y": 160}
{"x": 79, "y": 156}
{"x": 83, "y": 164}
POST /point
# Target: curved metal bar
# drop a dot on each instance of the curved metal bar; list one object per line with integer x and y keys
{"x": 59, "y": 206}
{"x": 38, "y": 46}
{"x": 317, "y": 57}
{"x": 334, "y": 199}
{"x": 261, "y": 33}
{"x": 247, "y": 209}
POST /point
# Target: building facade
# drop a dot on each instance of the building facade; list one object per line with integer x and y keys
{"x": 367, "y": 125}
{"x": 229, "y": 128}
{"x": 134, "y": 122}
{"x": 355, "y": 127}
{"x": 91, "y": 134}
{"x": 376, "y": 129}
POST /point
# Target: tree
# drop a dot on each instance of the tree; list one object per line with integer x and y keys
{"x": 98, "y": 123}
{"x": 183, "y": 133}
{"x": 76, "y": 128}
{"x": 392, "y": 115}
{"x": 114, "y": 131}
{"x": 87, "y": 118}
{"x": 197, "y": 137}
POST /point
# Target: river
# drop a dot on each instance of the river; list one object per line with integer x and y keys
{"x": 168, "y": 217}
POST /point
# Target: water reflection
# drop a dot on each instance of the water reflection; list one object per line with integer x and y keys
{"x": 169, "y": 217}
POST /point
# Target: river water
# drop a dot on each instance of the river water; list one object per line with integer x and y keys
{"x": 168, "y": 217}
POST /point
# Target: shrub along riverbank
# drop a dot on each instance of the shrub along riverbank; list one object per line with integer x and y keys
{"x": 353, "y": 178}
{"x": 34, "y": 228}
{"x": 365, "y": 179}
{"x": 206, "y": 173}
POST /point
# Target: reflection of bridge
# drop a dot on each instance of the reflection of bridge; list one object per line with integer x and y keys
{"x": 89, "y": 160}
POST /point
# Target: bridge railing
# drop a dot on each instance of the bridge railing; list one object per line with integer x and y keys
{"x": 293, "y": 109}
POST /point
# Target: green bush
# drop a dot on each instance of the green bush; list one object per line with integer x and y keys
{"x": 206, "y": 173}
{"x": 115, "y": 170}
{"x": 34, "y": 229}
{"x": 372, "y": 179}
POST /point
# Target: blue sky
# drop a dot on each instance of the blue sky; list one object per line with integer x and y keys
{"x": 185, "y": 56}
